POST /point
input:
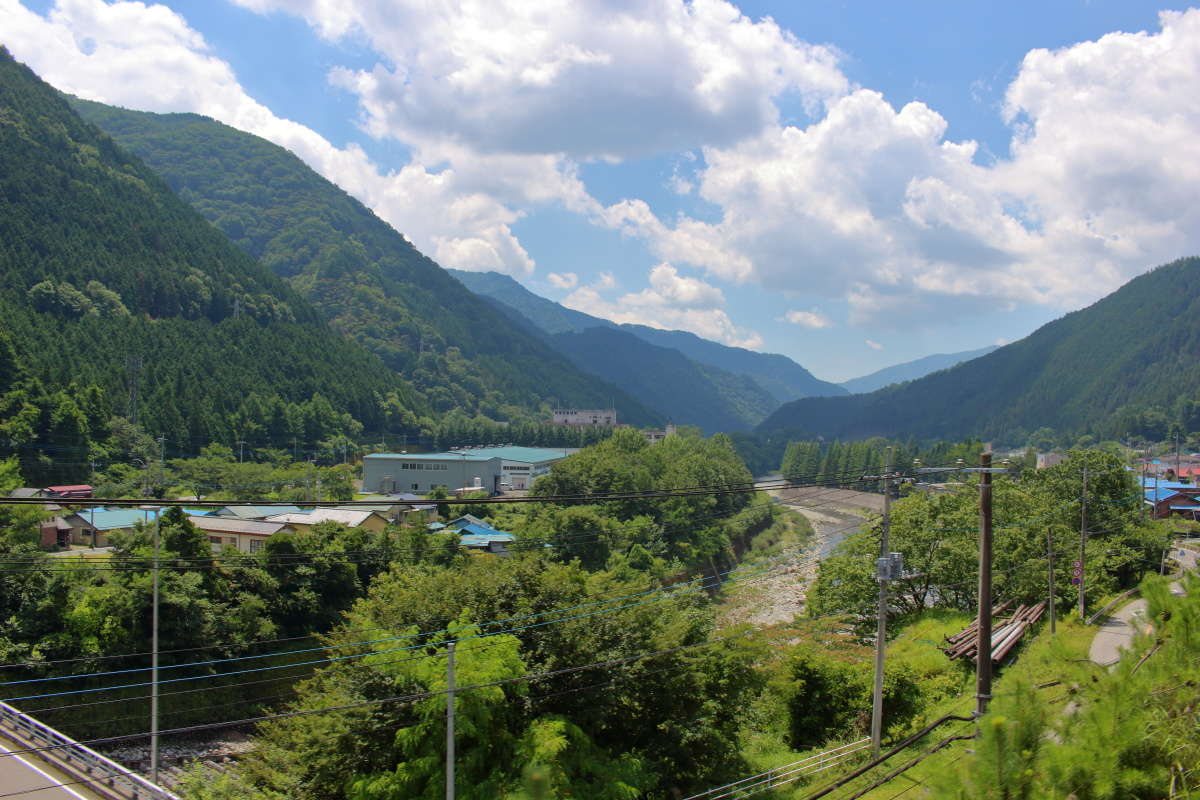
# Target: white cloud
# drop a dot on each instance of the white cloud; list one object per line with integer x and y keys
{"x": 501, "y": 101}
{"x": 874, "y": 345}
{"x": 588, "y": 78}
{"x": 606, "y": 281}
{"x": 671, "y": 301}
{"x": 808, "y": 319}
{"x": 147, "y": 57}
{"x": 1000, "y": 341}
{"x": 874, "y": 205}
{"x": 563, "y": 280}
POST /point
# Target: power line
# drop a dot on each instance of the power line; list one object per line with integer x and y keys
{"x": 672, "y": 595}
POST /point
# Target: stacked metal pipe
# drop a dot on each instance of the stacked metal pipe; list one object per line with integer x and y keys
{"x": 1006, "y": 633}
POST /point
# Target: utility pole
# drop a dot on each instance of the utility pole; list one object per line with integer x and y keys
{"x": 1050, "y": 572}
{"x": 1083, "y": 544}
{"x": 1177, "y": 456}
{"x": 162, "y": 463}
{"x": 883, "y": 573}
{"x": 450, "y": 722}
{"x": 241, "y": 450}
{"x": 983, "y": 672}
{"x": 293, "y": 448}
{"x": 154, "y": 659}
{"x": 1142, "y": 489}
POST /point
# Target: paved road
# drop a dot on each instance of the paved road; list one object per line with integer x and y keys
{"x": 1117, "y": 632}
{"x": 28, "y": 774}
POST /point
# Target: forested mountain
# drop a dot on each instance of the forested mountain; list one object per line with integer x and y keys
{"x": 103, "y": 265}
{"x": 458, "y": 351}
{"x": 686, "y": 391}
{"x": 911, "y": 370}
{"x": 783, "y": 378}
{"x": 1102, "y": 370}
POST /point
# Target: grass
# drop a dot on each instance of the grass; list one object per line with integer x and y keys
{"x": 1044, "y": 659}
{"x": 949, "y": 687}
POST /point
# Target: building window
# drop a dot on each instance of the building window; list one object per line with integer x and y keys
{"x": 256, "y": 545}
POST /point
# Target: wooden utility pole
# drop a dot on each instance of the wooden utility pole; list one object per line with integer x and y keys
{"x": 1083, "y": 545}
{"x": 450, "y": 722}
{"x": 883, "y": 573}
{"x": 154, "y": 658}
{"x": 1050, "y": 573}
{"x": 983, "y": 671}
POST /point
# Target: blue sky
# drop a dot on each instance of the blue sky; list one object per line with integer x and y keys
{"x": 853, "y": 185}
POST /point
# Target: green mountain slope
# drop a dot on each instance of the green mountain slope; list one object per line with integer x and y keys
{"x": 783, "y": 378}
{"x": 366, "y": 278}
{"x": 911, "y": 370}
{"x": 685, "y": 391}
{"x": 1088, "y": 372}
{"x": 101, "y": 262}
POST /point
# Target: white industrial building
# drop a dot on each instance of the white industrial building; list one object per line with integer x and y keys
{"x": 489, "y": 468}
{"x": 388, "y": 473}
{"x": 580, "y": 417}
{"x": 520, "y": 465}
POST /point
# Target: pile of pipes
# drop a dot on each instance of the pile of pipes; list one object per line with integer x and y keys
{"x": 1005, "y": 632}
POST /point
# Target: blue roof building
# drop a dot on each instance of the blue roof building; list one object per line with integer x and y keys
{"x": 92, "y": 526}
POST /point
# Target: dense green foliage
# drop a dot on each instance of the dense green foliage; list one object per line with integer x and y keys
{"x": 93, "y": 612}
{"x": 687, "y": 527}
{"x": 937, "y": 532}
{"x": 1131, "y": 731}
{"x": 369, "y": 281}
{"x": 845, "y": 463}
{"x": 1121, "y": 367}
{"x": 778, "y": 375}
{"x": 684, "y": 391}
{"x": 103, "y": 263}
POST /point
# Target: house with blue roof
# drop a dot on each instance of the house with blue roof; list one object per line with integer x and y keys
{"x": 1165, "y": 502}
{"x": 94, "y": 526}
{"x": 476, "y": 534}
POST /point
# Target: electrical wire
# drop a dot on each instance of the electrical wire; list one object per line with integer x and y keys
{"x": 672, "y": 595}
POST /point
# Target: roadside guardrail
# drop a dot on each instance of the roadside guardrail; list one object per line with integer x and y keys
{"x": 102, "y": 774}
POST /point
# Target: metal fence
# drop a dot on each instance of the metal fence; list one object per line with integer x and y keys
{"x": 106, "y": 776}
{"x": 785, "y": 774}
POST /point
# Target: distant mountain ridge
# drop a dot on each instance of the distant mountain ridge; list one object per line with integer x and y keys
{"x": 372, "y": 285}
{"x": 1087, "y": 372}
{"x": 911, "y": 370}
{"x": 783, "y": 378}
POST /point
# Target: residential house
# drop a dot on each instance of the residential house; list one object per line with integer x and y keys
{"x": 402, "y": 507}
{"x": 76, "y": 491}
{"x": 475, "y": 534}
{"x": 1166, "y": 502}
{"x": 247, "y": 535}
{"x": 55, "y": 532}
{"x": 303, "y": 521}
{"x": 254, "y": 512}
{"x": 94, "y": 526}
